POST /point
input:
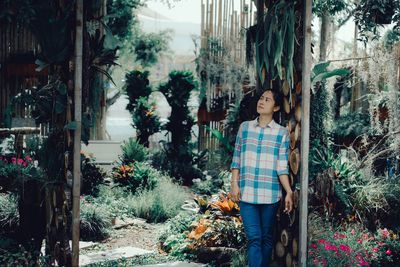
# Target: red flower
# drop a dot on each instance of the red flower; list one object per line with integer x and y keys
{"x": 388, "y": 252}
{"x": 374, "y": 249}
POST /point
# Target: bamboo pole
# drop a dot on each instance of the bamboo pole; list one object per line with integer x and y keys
{"x": 202, "y": 24}
{"x": 305, "y": 133}
{"x": 220, "y": 18}
{"x": 77, "y": 133}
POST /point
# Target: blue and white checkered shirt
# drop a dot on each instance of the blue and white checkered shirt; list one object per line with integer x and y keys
{"x": 261, "y": 155}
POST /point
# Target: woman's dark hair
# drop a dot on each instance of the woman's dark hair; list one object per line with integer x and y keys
{"x": 276, "y": 94}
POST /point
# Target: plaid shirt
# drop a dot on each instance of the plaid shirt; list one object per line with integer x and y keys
{"x": 261, "y": 155}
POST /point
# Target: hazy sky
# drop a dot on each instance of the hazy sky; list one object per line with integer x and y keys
{"x": 182, "y": 10}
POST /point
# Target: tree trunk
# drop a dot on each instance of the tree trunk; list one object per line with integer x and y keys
{"x": 324, "y": 36}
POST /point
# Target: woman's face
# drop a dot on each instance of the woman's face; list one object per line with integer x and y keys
{"x": 266, "y": 104}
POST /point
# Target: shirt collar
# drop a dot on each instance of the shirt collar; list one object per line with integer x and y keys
{"x": 271, "y": 124}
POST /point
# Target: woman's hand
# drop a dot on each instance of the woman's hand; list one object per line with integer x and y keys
{"x": 235, "y": 192}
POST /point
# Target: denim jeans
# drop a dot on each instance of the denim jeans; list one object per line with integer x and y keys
{"x": 258, "y": 221}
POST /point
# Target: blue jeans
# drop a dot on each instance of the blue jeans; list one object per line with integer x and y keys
{"x": 258, "y": 221}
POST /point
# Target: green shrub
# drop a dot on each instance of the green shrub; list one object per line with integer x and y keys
{"x": 159, "y": 204}
{"x": 92, "y": 176}
{"x": 114, "y": 198}
{"x": 136, "y": 176}
{"x": 9, "y": 215}
{"x": 179, "y": 163}
{"x": 239, "y": 258}
{"x": 132, "y": 151}
{"x": 12, "y": 254}
{"x": 95, "y": 219}
{"x": 174, "y": 238}
{"x": 212, "y": 183}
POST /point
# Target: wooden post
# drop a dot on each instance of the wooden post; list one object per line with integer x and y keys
{"x": 77, "y": 133}
{"x": 260, "y": 14}
{"x": 305, "y": 133}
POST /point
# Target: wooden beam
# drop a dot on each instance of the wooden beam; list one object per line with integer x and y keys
{"x": 305, "y": 133}
{"x": 77, "y": 132}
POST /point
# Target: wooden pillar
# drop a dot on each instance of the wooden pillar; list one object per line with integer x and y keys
{"x": 77, "y": 133}
{"x": 305, "y": 132}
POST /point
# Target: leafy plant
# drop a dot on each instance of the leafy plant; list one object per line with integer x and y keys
{"x": 352, "y": 124}
{"x": 9, "y": 215}
{"x": 145, "y": 121}
{"x": 133, "y": 151}
{"x": 369, "y": 14}
{"x": 161, "y": 203}
{"x": 212, "y": 183}
{"x": 136, "y": 86}
{"x": 95, "y": 220}
{"x": 275, "y": 43}
{"x": 136, "y": 176}
{"x": 92, "y": 176}
{"x": 149, "y": 46}
{"x": 121, "y": 17}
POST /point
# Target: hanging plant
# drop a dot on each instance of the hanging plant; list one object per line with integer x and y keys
{"x": 275, "y": 43}
{"x": 370, "y": 14}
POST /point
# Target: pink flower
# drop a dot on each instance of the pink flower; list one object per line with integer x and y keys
{"x": 323, "y": 261}
{"x": 322, "y": 241}
{"x": 313, "y": 246}
{"x": 381, "y": 244}
{"x": 344, "y": 248}
{"x": 388, "y": 252}
{"x": 1, "y": 157}
{"x": 14, "y": 160}
{"x": 20, "y": 161}
{"x": 365, "y": 237}
{"x": 342, "y": 236}
{"x": 336, "y": 235}
{"x": 359, "y": 241}
{"x": 374, "y": 249}
{"x": 353, "y": 232}
{"x": 377, "y": 221}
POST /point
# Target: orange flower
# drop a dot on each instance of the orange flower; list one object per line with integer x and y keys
{"x": 149, "y": 113}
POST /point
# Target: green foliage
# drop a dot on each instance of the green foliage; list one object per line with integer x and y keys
{"x": 51, "y": 26}
{"x": 180, "y": 163}
{"x": 379, "y": 198}
{"x": 369, "y": 14}
{"x": 12, "y": 254}
{"x": 332, "y": 7}
{"x": 92, "y": 176}
{"x": 149, "y": 46}
{"x": 239, "y": 258}
{"x": 133, "y": 151}
{"x": 323, "y": 158}
{"x": 173, "y": 239}
{"x": 177, "y": 158}
{"x": 159, "y": 204}
{"x": 136, "y": 176}
{"x": 177, "y": 92}
{"x": 136, "y": 86}
{"x": 212, "y": 183}
{"x": 121, "y": 17}
{"x": 391, "y": 37}
{"x": 9, "y": 214}
{"x": 275, "y": 42}
{"x": 95, "y": 220}
{"x": 351, "y": 124}
{"x": 20, "y": 10}
{"x": 145, "y": 121}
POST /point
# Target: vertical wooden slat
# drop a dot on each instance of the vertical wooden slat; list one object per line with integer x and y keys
{"x": 305, "y": 132}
